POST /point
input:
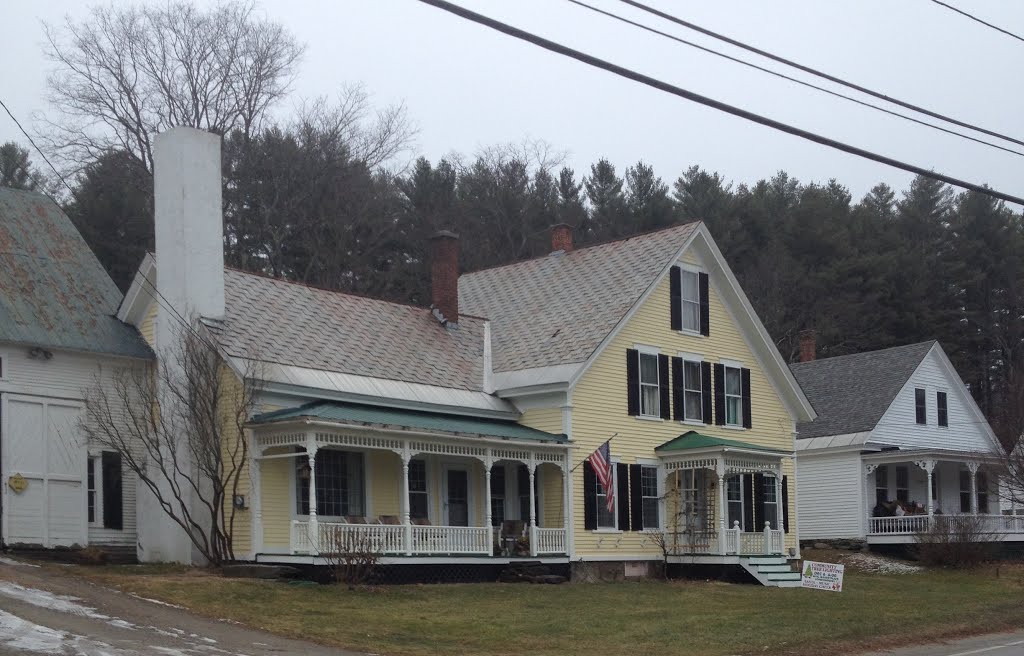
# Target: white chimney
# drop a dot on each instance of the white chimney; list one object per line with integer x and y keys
{"x": 189, "y": 222}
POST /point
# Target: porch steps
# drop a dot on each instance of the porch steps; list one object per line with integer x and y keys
{"x": 772, "y": 571}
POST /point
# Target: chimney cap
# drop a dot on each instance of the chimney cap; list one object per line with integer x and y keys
{"x": 444, "y": 234}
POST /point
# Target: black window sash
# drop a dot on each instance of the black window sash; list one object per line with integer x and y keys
{"x": 633, "y": 382}
{"x": 113, "y": 503}
{"x": 705, "y": 306}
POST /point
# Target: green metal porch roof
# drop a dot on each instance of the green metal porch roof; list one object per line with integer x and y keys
{"x": 350, "y": 413}
{"x": 692, "y": 440}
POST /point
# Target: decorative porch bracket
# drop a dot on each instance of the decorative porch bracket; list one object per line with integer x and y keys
{"x": 972, "y": 467}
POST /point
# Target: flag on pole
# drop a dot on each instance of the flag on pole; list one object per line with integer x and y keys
{"x": 601, "y": 461}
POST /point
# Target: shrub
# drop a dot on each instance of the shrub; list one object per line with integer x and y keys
{"x": 958, "y": 541}
{"x": 352, "y": 556}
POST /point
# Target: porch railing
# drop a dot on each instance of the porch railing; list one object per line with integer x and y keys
{"x": 910, "y": 524}
{"x": 550, "y": 540}
{"x": 734, "y": 540}
{"x": 451, "y": 540}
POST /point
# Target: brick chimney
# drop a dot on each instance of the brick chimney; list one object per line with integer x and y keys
{"x": 808, "y": 345}
{"x": 444, "y": 277}
{"x": 561, "y": 238}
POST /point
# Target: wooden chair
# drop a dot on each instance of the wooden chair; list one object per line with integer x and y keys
{"x": 421, "y": 521}
{"x": 355, "y": 519}
{"x": 388, "y": 520}
{"x": 511, "y": 531}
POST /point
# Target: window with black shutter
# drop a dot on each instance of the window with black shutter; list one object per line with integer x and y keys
{"x": 633, "y": 381}
{"x": 920, "y": 406}
{"x": 636, "y": 498}
{"x": 705, "y": 384}
{"x": 942, "y": 407}
{"x": 747, "y": 403}
{"x": 688, "y": 291}
{"x": 622, "y": 494}
{"x": 589, "y": 497}
{"x": 692, "y": 391}
{"x": 719, "y": 395}
{"x": 113, "y": 505}
{"x": 705, "y": 306}
{"x": 648, "y": 380}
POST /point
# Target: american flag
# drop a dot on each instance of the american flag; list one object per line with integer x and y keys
{"x": 601, "y": 461}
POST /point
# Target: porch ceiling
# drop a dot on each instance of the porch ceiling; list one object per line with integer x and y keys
{"x": 381, "y": 417}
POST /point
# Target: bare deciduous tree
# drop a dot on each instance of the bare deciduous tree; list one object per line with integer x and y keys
{"x": 129, "y": 72}
{"x": 178, "y": 426}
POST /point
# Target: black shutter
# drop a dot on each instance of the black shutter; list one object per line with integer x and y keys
{"x": 758, "y": 483}
{"x": 705, "y": 386}
{"x": 589, "y": 497}
{"x": 622, "y": 471}
{"x": 113, "y": 506}
{"x": 676, "y": 296}
{"x": 747, "y": 423}
{"x": 748, "y": 502}
{"x": 677, "y": 388}
{"x": 719, "y": 395}
{"x": 785, "y": 504}
{"x": 636, "y": 499}
{"x": 633, "y": 382}
{"x": 663, "y": 388}
{"x": 705, "y": 307}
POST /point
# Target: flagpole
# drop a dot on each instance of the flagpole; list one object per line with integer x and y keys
{"x": 608, "y": 441}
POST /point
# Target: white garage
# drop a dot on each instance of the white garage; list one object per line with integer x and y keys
{"x": 44, "y": 460}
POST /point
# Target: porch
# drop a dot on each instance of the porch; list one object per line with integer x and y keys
{"x": 406, "y": 485}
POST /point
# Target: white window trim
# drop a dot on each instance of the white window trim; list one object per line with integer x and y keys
{"x": 656, "y": 352}
{"x": 697, "y": 270}
{"x": 732, "y": 364}
{"x": 427, "y": 479}
{"x": 775, "y": 486}
{"x": 914, "y": 405}
{"x": 615, "y": 512}
{"x": 97, "y": 461}
{"x": 649, "y": 350}
{"x": 649, "y": 462}
{"x": 693, "y": 357}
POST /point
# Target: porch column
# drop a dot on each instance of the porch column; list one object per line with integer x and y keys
{"x": 406, "y": 502}
{"x": 488, "y": 463}
{"x": 929, "y": 467}
{"x": 972, "y": 467}
{"x": 256, "y": 503}
{"x": 869, "y": 494}
{"x": 533, "y": 507}
{"x": 723, "y": 505}
{"x": 566, "y": 503}
{"x": 314, "y": 525}
{"x": 778, "y": 498}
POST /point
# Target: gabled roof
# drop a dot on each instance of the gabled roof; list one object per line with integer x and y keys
{"x": 850, "y": 393}
{"x": 692, "y": 440}
{"x": 54, "y": 293}
{"x": 434, "y": 422}
{"x": 292, "y": 324}
{"x": 557, "y": 309}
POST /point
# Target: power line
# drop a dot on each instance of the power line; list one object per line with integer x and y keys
{"x": 34, "y": 145}
{"x": 975, "y": 18}
{"x": 790, "y": 78}
{"x": 710, "y": 102}
{"x": 817, "y": 73}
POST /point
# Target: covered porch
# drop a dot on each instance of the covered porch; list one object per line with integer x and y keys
{"x": 908, "y": 493}
{"x": 723, "y": 497}
{"x": 331, "y": 478}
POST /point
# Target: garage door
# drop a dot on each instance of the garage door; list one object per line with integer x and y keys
{"x": 44, "y": 456}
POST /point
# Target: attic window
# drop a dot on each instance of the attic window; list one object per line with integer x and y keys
{"x": 2, "y": 372}
{"x": 941, "y": 404}
{"x": 920, "y": 409}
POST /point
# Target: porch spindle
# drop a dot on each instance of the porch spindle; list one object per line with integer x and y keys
{"x": 533, "y": 510}
{"x": 406, "y": 503}
{"x": 314, "y": 526}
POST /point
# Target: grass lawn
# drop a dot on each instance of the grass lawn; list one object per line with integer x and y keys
{"x": 697, "y": 618}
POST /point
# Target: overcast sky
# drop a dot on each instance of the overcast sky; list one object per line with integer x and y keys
{"x": 468, "y": 87}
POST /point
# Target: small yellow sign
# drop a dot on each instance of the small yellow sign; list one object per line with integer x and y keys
{"x": 17, "y": 483}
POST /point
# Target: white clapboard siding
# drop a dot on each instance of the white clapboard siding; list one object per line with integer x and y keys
{"x": 829, "y": 496}
{"x": 899, "y": 427}
{"x": 65, "y": 376}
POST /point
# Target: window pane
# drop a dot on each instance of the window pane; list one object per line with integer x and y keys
{"x": 648, "y": 368}
{"x": 733, "y": 488}
{"x": 498, "y": 481}
{"x": 694, "y": 406}
{"x": 691, "y": 316}
{"x": 418, "y": 505}
{"x": 768, "y": 488}
{"x": 733, "y": 381}
{"x": 650, "y": 400}
{"x": 417, "y": 476}
{"x": 733, "y": 411}
{"x": 691, "y": 375}
{"x": 690, "y": 286}
{"x": 649, "y": 481}
{"x": 650, "y": 511}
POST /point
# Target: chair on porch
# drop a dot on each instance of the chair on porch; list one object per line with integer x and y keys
{"x": 420, "y": 521}
{"x": 355, "y": 519}
{"x": 511, "y": 531}
{"x": 388, "y": 520}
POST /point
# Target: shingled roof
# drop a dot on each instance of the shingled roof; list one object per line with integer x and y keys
{"x": 293, "y": 324}
{"x": 54, "y": 293}
{"x": 850, "y": 393}
{"x": 556, "y": 309}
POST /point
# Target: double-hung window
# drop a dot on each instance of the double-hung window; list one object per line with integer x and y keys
{"x": 498, "y": 494}
{"x": 920, "y": 406}
{"x": 690, "y": 299}
{"x": 418, "y": 504}
{"x": 733, "y": 396}
{"x": 771, "y": 501}
{"x": 339, "y": 484}
{"x": 693, "y": 392}
{"x": 91, "y": 487}
{"x": 965, "y": 491}
{"x": 881, "y": 484}
{"x": 651, "y": 504}
{"x": 982, "y": 483}
{"x": 942, "y": 408}
{"x": 734, "y": 497}
{"x": 650, "y": 389}
{"x": 607, "y": 518}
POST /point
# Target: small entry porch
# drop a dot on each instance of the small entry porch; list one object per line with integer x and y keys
{"x": 405, "y": 485}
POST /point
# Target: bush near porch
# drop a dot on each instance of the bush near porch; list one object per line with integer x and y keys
{"x": 700, "y": 618}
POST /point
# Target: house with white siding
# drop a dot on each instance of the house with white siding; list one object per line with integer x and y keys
{"x": 895, "y": 427}
{"x": 58, "y": 337}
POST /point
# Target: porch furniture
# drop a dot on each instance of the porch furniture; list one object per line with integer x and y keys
{"x": 511, "y": 531}
{"x": 389, "y": 520}
{"x": 355, "y": 519}
{"x": 420, "y": 521}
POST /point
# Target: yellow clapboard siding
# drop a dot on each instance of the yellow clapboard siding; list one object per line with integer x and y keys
{"x": 599, "y": 403}
{"x": 147, "y": 327}
{"x": 276, "y": 499}
{"x": 550, "y": 421}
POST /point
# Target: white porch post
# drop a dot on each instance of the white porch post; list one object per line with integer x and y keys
{"x": 255, "y": 496}
{"x": 869, "y": 495}
{"x": 929, "y": 467}
{"x": 406, "y": 501}
{"x": 972, "y": 467}
{"x": 314, "y": 525}
{"x": 566, "y": 503}
{"x": 533, "y": 506}
{"x": 723, "y": 505}
{"x": 778, "y": 498}
{"x": 488, "y": 463}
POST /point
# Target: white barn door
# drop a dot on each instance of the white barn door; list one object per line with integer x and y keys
{"x": 43, "y": 445}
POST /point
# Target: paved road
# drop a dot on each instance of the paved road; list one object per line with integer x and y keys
{"x": 999, "y": 644}
{"x": 43, "y": 612}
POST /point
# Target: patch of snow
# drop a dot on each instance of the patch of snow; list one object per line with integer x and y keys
{"x": 15, "y": 563}
{"x": 122, "y": 624}
{"x": 877, "y": 564}
{"x": 156, "y": 601}
{"x": 50, "y": 601}
{"x": 24, "y": 636}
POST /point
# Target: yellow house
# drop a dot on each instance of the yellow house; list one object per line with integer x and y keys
{"x": 463, "y": 434}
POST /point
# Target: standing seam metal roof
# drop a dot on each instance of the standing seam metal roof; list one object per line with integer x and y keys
{"x": 54, "y": 293}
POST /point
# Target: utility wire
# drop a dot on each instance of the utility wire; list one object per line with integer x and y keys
{"x": 975, "y": 18}
{"x": 817, "y": 73}
{"x": 790, "y": 78}
{"x": 710, "y": 102}
{"x": 34, "y": 145}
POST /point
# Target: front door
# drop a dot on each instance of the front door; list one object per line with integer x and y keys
{"x": 456, "y": 502}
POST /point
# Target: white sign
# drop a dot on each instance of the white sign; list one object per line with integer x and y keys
{"x": 822, "y": 576}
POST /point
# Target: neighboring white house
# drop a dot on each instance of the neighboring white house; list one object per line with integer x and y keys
{"x": 57, "y": 332}
{"x": 893, "y": 425}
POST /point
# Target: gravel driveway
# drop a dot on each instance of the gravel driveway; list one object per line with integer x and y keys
{"x": 43, "y": 611}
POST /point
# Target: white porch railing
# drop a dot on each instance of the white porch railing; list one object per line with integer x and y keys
{"x": 735, "y": 541}
{"x": 910, "y": 524}
{"x": 335, "y": 537}
{"x": 701, "y": 542}
{"x": 550, "y": 540}
{"x": 451, "y": 540}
